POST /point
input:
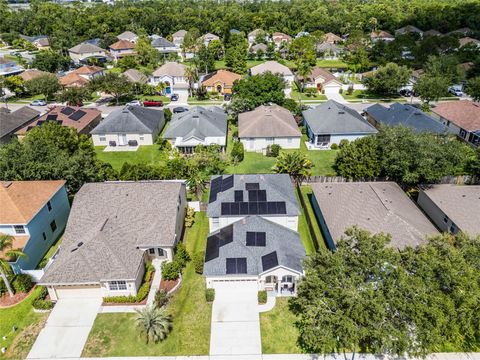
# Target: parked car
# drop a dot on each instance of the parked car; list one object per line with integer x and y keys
{"x": 149, "y": 102}
{"x": 179, "y": 109}
{"x": 227, "y": 97}
{"x": 455, "y": 91}
{"x": 406, "y": 92}
{"x": 38, "y": 103}
{"x": 134, "y": 103}
{"x": 174, "y": 97}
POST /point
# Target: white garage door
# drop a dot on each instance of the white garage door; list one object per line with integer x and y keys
{"x": 71, "y": 292}
{"x": 331, "y": 89}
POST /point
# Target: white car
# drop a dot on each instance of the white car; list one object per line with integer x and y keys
{"x": 134, "y": 103}
{"x": 456, "y": 92}
{"x": 38, "y": 103}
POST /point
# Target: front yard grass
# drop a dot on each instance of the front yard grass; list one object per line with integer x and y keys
{"x": 331, "y": 64}
{"x": 118, "y": 335}
{"x": 146, "y": 154}
{"x": 277, "y": 327}
{"x": 359, "y": 95}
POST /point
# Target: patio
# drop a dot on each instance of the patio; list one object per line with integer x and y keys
{"x": 121, "y": 148}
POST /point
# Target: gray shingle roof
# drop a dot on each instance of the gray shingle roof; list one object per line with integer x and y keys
{"x": 84, "y": 48}
{"x": 285, "y": 242}
{"x": 112, "y": 219}
{"x": 12, "y": 121}
{"x": 162, "y": 42}
{"x": 406, "y": 115}
{"x": 170, "y": 69}
{"x": 373, "y": 206}
{"x": 127, "y": 35}
{"x": 131, "y": 120}
{"x": 135, "y": 76}
{"x": 278, "y": 187}
{"x": 461, "y": 203}
{"x": 199, "y": 123}
{"x": 332, "y": 117}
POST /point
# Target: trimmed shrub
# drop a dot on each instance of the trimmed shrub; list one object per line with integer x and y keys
{"x": 189, "y": 217}
{"x": 40, "y": 302}
{"x": 142, "y": 292}
{"x": 343, "y": 143}
{"x": 161, "y": 298}
{"x": 167, "y": 114}
{"x": 42, "y": 263}
{"x": 238, "y": 152}
{"x": 181, "y": 255}
{"x": 350, "y": 90}
{"x": 120, "y": 299}
{"x": 171, "y": 270}
{"x": 235, "y": 133}
{"x": 197, "y": 259}
{"x": 273, "y": 150}
{"x": 334, "y": 147}
{"x": 339, "y": 91}
{"x": 303, "y": 129}
{"x": 209, "y": 295}
{"x": 262, "y": 297}
{"x": 22, "y": 283}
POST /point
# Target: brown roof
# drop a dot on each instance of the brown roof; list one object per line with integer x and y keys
{"x": 73, "y": 79}
{"x": 468, "y": 40}
{"x": 331, "y": 38}
{"x": 380, "y": 34}
{"x": 464, "y": 113}
{"x": 30, "y": 74}
{"x": 18, "y": 243}
{"x": 21, "y": 200}
{"x": 66, "y": 115}
{"x": 225, "y": 77}
{"x": 122, "y": 44}
{"x": 323, "y": 73}
{"x": 88, "y": 70}
{"x": 267, "y": 121}
{"x": 278, "y": 37}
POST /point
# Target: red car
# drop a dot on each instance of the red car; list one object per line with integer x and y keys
{"x": 152, "y": 103}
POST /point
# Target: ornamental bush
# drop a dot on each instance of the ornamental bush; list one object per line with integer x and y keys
{"x": 238, "y": 152}
{"x": 171, "y": 270}
{"x": 197, "y": 259}
{"x": 22, "y": 283}
{"x": 262, "y": 297}
{"x": 40, "y": 302}
{"x": 273, "y": 150}
{"x": 210, "y": 295}
{"x": 189, "y": 217}
{"x": 181, "y": 255}
{"x": 161, "y": 298}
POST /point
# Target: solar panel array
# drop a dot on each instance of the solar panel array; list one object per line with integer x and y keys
{"x": 218, "y": 185}
{"x": 77, "y": 115}
{"x": 51, "y": 117}
{"x": 257, "y": 195}
{"x": 254, "y": 208}
{"x": 215, "y": 242}
{"x": 67, "y": 111}
{"x": 256, "y": 238}
{"x": 236, "y": 265}
{"x": 252, "y": 186}
{"x": 269, "y": 261}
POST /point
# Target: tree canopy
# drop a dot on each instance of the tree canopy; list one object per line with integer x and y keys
{"x": 260, "y": 89}
{"x": 388, "y": 79}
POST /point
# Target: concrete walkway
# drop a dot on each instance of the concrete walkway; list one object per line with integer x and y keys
{"x": 235, "y": 321}
{"x": 269, "y": 305}
{"x": 157, "y": 277}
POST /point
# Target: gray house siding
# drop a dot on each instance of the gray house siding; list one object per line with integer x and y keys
{"x": 438, "y": 217}
{"x": 323, "y": 225}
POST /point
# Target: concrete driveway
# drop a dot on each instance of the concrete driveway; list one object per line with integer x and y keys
{"x": 235, "y": 320}
{"x": 66, "y": 330}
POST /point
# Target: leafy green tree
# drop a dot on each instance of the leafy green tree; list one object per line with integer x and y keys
{"x": 296, "y": 164}
{"x": 111, "y": 83}
{"x": 304, "y": 68}
{"x": 473, "y": 165}
{"x": 357, "y": 59}
{"x": 387, "y": 80}
{"x": 302, "y": 50}
{"x": 205, "y": 59}
{"x": 197, "y": 181}
{"x": 155, "y": 323}
{"x": 359, "y": 159}
{"x": 128, "y": 62}
{"x": 238, "y": 152}
{"x": 215, "y": 48}
{"x": 473, "y": 88}
{"x": 46, "y": 85}
{"x": 6, "y": 243}
{"x": 260, "y": 89}
{"x": 445, "y": 66}
{"x": 145, "y": 52}
{"x": 74, "y": 96}
{"x": 50, "y": 61}
{"x": 23, "y": 44}
{"x": 15, "y": 84}
{"x": 236, "y": 54}
{"x": 431, "y": 88}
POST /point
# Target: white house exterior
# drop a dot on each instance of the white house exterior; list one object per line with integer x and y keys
{"x": 82, "y": 52}
{"x": 275, "y": 68}
{"x": 173, "y": 75}
{"x": 323, "y": 80}
{"x": 208, "y": 38}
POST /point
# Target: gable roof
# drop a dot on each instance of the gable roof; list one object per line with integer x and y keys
{"x": 326, "y": 75}
{"x": 162, "y": 42}
{"x": 225, "y": 77}
{"x": 209, "y": 36}
{"x": 135, "y": 76}
{"x": 260, "y": 46}
{"x": 461, "y": 203}
{"x": 331, "y": 37}
{"x": 85, "y": 48}
{"x": 12, "y": 121}
{"x": 88, "y": 70}
{"x": 122, "y": 45}
{"x": 267, "y": 121}
{"x": 170, "y": 68}
{"x": 127, "y": 35}
{"x": 468, "y": 40}
{"x": 332, "y": 117}
{"x": 21, "y": 200}
{"x": 254, "y": 33}
{"x": 73, "y": 79}
{"x": 41, "y": 40}
{"x": 325, "y": 46}
{"x": 406, "y": 115}
{"x": 408, "y": 29}
{"x": 373, "y": 206}
{"x": 278, "y": 188}
{"x": 30, "y": 74}
{"x": 432, "y": 32}
{"x": 179, "y": 33}
{"x": 271, "y": 66}
{"x": 284, "y": 242}
{"x": 105, "y": 230}
{"x": 198, "y": 122}
{"x": 381, "y": 34}
{"x": 131, "y": 119}
{"x": 464, "y": 31}
{"x": 465, "y": 113}
{"x": 279, "y": 37}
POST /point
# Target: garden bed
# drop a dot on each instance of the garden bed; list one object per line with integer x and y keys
{"x": 7, "y": 301}
{"x": 168, "y": 285}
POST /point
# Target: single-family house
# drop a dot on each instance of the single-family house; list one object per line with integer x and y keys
{"x": 128, "y": 36}
{"x": 268, "y": 125}
{"x": 172, "y": 74}
{"x": 163, "y": 46}
{"x": 281, "y": 39}
{"x": 9, "y": 67}
{"x": 379, "y": 207}
{"x": 323, "y": 80}
{"x": 234, "y": 197}
{"x": 220, "y": 81}
{"x": 198, "y": 126}
{"x": 31, "y": 74}
{"x": 81, "y": 77}
{"x": 252, "y": 36}
{"x": 84, "y": 51}
{"x": 452, "y": 208}
{"x": 208, "y": 38}
{"x": 82, "y": 119}
{"x": 432, "y": 32}
{"x": 35, "y": 214}
{"x": 409, "y": 29}
{"x": 462, "y": 117}
{"x": 41, "y": 42}
{"x": 258, "y": 49}
{"x": 381, "y": 35}
{"x": 178, "y": 36}
{"x": 130, "y": 126}
{"x": 465, "y": 31}
{"x": 331, "y": 38}
{"x": 121, "y": 48}
{"x": 331, "y": 122}
{"x": 12, "y": 121}
{"x": 135, "y": 76}
{"x": 329, "y": 51}
{"x": 405, "y": 115}
{"x": 468, "y": 40}
{"x": 114, "y": 227}
{"x": 275, "y": 68}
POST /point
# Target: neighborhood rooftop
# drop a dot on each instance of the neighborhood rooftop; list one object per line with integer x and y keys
{"x": 131, "y": 119}
{"x": 465, "y": 114}
{"x": 10, "y": 121}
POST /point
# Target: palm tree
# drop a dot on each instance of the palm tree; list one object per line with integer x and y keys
{"x": 192, "y": 76}
{"x": 6, "y": 242}
{"x": 296, "y": 164}
{"x": 155, "y": 323}
{"x": 197, "y": 182}
{"x": 304, "y": 69}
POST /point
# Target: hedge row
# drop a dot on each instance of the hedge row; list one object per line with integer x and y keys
{"x": 40, "y": 302}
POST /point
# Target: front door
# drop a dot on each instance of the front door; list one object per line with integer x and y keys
{"x": 122, "y": 139}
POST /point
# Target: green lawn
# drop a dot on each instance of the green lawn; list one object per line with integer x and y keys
{"x": 28, "y": 324}
{"x": 297, "y": 95}
{"x": 331, "y": 64}
{"x": 117, "y": 334}
{"x": 279, "y": 334}
{"x": 306, "y": 193}
{"x": 146, "y": 154}
{"x": 305, "y": 236}
{"x": 359, "y": 95}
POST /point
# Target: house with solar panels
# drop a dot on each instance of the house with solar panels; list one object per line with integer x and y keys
{"x": 253, "y": 236}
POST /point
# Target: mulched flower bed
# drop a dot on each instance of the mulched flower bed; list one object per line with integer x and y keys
{"x": 168, "y": 285}
{"x": 7, "y": 301}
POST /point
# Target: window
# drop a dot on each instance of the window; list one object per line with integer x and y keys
{"x": 44, "y": 236}
{"x": 102, "y": 138}
{"x": 151, "y": 251}
{"x": 289, "y": 140}
{"x": 287, "y": 278}
{"x": 323, "y": 139}
{"x": 270, "y": 279}
{"x": 53, "y": 226}
{"x": 19, "y": 229}
{"x": 453, "y": 228}
{"x": 49, "y": 206}
{"x": 463, "y": 133}
{"x": 161, "y": 252}
{"x": 117, "y": 285}
{"x": 142, "y": 137}
{"x": 445, "y": 219}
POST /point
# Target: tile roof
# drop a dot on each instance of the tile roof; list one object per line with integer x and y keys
{"x": 326, "y": 75}
{"x": 373, "y": 206}
{"x": 66, "y": 115}
{"x": 271, "y": 66}
{"x": 461, "y": 203}
{"x": 30, "y": 74}
{"x": 198, "y": 122}
{"x": 406, "y": 115}
{"x": 122, "y": 45}
{"x": 110, "y": 221}
{"x": 179, "y": 33}
{"x": 285, "y": 242}
{"x": 279, "y": 37}
{"x": 73, "y": 79}
{"x": 12, "y": 121}
{"x": 331, "y": 37}
{"x": 381, "y": 34}
{"x": 332, "y": 117}
{"x": 131, "y": 120}
{"x": 170, "y": 69}
{"x": 21, "y": 200}
{"x": 88, "y": 70}
{"x": 465, "y": 113}
{"x": 268, "y": 121}
{"x": 225, "y": 77}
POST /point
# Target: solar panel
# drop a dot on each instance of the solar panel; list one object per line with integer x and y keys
{"x": 215, "y": 188}
{"x": 226, "y": 208}
{"x": 212, "y": 250}
{"x": 252, "y": 186}
{"x": 269, "y": 261}
{"x": 231, "y": 265}
{"x": 226, "y": 235}
{"x": 236, "y": 265}
{"x": 244, "y": 208}
{"x": 271, "y": 207}
{"x": 256, "y": 239}
{"x": 234, "y": 208}
{"x": 227, "y": 183}
{"x": 238, "y": 195}
{"x": 252, "y": 195}
{"x": 77, "y": 115}
{"x": 281, "y": 207}
{"x": 67, "y": 111}
{"x": 261, "y": 239}
{"x": 51, "y": 117}
{"x": 262, "y": 208}
{"x": 241, "y": 265}
{"x": 262, "y": 195}
{"x": 250, "y": 238}
{"x": 252, "y": 208}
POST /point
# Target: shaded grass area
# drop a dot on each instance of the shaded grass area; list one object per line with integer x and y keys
{"x": 118, "y": 335}
{"x": 279, "y": 334}
{"x": 146, "y": 154}
{"x": 306, "y": 194}
{"x": 307, "y": 240}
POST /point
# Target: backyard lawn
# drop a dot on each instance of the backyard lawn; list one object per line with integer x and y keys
{"x": 331, "y": 64}
{"x": 146, "y": 154}
{"x": 297, "y": 95}
{"x": 118, "y": 335}
{"x": 28, "y": 324}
